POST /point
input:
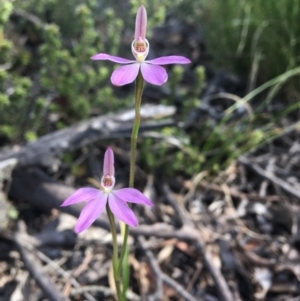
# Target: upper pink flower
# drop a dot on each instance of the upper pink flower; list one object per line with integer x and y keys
{"x": 151, "y": 71}
{"x": 96, "y": 199}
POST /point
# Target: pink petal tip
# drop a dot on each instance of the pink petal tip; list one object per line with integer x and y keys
{"x": 112, "y": 58}
{"x": 132, "y": 195}
{"x": 125, "y": 74}
{"x": 81, "y": 195}
{"x": 122, "y": 211}
{"x": 108, "y": 164}
{"x": 172, "y": 59}
{"x": 140, "y": 23}
{"x": 154, "y": 74}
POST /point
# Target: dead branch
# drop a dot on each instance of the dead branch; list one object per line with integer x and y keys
{"x": 162, "y": 277}
{"x": 47, "y": 150}
{"x": 271, "y": 177}
{"x": 36, "y": 269}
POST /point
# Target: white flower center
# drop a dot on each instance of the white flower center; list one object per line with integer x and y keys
{"x": 140, "y": 49}
{"x": 108, "y": 183}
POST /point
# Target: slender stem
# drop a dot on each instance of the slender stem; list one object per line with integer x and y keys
{"x": 139, "y": 86}
{"x": 115, "y": 260}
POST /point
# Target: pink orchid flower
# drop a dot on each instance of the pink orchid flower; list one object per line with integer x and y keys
{"x": 151, "y": 71}
{"x": 96, "y": 199}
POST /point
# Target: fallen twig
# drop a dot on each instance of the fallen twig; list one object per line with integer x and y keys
{"x": 271, "y": 177}
{"x": 23, "y": 240}
{"x": 162, "y": 277}
{"x": 233, "y": 192}
{"x": 36, "y": 270}
{"x": 46, "y": 150}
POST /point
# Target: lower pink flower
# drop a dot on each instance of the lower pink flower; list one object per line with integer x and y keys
{"x": 97, "y": 199}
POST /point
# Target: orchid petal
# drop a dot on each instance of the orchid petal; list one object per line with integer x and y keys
{"x": 90, "y": 212}
{"x": 108, "y": 165}
{"x": 172, "y": 59}
{"x": 116, "y": 59}
{"x": 140, "y": 23}
{"x": 121, "y": 210}
{"x": 153, "y": 74}
{"x": 125, "y": 74}
{"x": 131, "y": 195}
{"x": 81, "y": 195}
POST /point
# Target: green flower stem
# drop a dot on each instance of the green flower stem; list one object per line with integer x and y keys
{"x": 139, "y": 86}
{"x": 115, "y": 260}
{"x": 123, "y": 263}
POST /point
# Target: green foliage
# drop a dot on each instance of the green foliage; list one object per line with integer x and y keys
{"x": 6, "y": 8}
{"x": 214, "y": 147}
{"x": 63, "y": 80}
{"x": 12, "y": 102}
{"x": 237, "y": 31}
{"x": 68, "y": 82}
